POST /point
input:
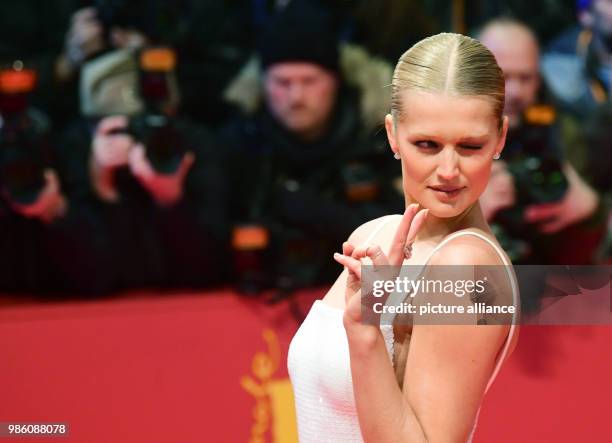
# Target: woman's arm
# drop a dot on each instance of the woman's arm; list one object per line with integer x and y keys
{"x": 447, "y": 370}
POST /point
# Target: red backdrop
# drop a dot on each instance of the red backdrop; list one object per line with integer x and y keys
{"x": 200, "y": 367}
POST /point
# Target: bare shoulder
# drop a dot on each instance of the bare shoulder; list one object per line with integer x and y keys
{"x": 482, "y": 259}
{"x": 363, "y": 232}
{"x": 463, "y": 248}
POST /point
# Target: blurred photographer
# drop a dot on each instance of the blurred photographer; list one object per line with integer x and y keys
{"x": 577, "y": 65}
{"x": 146, "y": 133}
{"x": 544, "y": 198}
{"x": 48, "y": 237}
{"x": 106, "y": 25}
{"x": 32, "y": 32}
{"x": 212, "y": 38}
{"x": 157, "y": 176}
{"x": 306, "y": 167}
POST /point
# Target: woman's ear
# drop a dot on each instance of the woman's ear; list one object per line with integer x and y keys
{"x": 390, "y": 127}
{"x": 502, "y": 138}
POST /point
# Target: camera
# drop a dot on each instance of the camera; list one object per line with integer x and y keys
{"x": 536, "y": 168}
{"x": 535, "y": 164}
{"x": 23, "y": 136}
{"x": 154, "y": 127}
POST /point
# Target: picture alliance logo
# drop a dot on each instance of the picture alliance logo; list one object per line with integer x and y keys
{"x": 440, "y": 308}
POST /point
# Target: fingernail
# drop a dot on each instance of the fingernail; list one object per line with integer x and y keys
{"x": 411, "y": 208}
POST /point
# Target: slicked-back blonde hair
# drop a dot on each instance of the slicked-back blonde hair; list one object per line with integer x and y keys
{"x": 452, "y": 64}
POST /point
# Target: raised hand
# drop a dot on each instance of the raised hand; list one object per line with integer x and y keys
{"x": 579, "y": 203}
{"x": 85, "y": 36}
{"x": 166, "y": 189}
{"x": 352, "y": 258}
{"x": 110, "y": 149}
{"x": 49, "y": 205}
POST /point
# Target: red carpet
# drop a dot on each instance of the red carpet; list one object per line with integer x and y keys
{"x": 196, "y": 368}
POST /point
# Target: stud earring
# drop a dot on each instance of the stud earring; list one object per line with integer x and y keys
{"x": 396, "y": 156}
{"x": 496, "y": 156}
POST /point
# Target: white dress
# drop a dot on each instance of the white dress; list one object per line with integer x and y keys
{"x": 319, "y": 366}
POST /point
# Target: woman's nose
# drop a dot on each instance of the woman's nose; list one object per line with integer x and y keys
{"x": 448, "y": 168}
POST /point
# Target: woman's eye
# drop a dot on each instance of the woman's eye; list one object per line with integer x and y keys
{"x": 427, "y": 144}
{"x": 472, "y": 147}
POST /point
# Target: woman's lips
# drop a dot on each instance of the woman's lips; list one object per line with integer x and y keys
{"x": 446, "y": 192}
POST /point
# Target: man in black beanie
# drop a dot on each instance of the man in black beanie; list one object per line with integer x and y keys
{"x": 305, "y": 170}
{"x": 299, "y": 57}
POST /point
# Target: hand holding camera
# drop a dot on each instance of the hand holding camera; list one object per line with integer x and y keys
{"x": 111, "y": 143}
{"x": 110, "y": 148}
{"x": 578, "y": 203}
{"x": 50, "y": 203}
{"x": 166, "y": 189}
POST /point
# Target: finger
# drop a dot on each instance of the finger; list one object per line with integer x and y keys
{"x": 119, "y": 142}
{"x": 373, "y": 252}
{"x": 113, "y": 140}
{"x": 376, "y": 254}
{"x": 147, "y": 167}
{"x": 138, "y": 162}
{"x": 111, "y": 123}
{"x": 416, "y": 224}
{"x": 118, "y": 148}
{"x": 90, "y": 31}
{"x": 536, "y": 213}
{"x": 52, "y": 181}
{"x": 347, "y": 248}
{"x": 353, "y": 266}
{"x": 553, "y": 226}
{"x": 111, "y": 150}
{"x": 84, "y": 13}
{"x": 396, "y": 253}
{"x": 186, "y": 164}
{"x": 359, "y": 253}
{"x": 32, "y": 209}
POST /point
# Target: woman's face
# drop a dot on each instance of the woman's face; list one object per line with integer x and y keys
{"x": 446, "y": 146}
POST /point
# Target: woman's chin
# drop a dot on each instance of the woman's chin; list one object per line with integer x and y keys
{"x": 443, "y": 210}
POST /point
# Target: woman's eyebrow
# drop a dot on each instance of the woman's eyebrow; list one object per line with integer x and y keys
{"x": 423, "y": 136}
{"x": 474, "y": 138}
{"x": 479, "y": 138}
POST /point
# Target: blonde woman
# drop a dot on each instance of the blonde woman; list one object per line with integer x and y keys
{"x": 424, "y": 382}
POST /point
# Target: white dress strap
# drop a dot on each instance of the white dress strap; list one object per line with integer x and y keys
{"x": 466, "y": 232}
